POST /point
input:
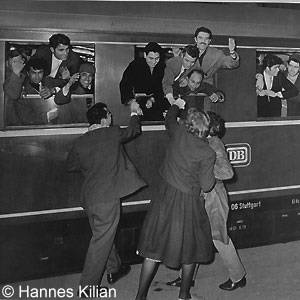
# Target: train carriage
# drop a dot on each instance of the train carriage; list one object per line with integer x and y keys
{"x": 43, "y": 227}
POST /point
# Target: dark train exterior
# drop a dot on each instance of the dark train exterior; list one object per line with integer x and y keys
{"x": 43, "y": 228}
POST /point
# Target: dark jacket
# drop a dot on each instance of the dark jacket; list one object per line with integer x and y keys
{"x": 100, "y": 156}
{"x": 137, "y": 78}
{"x": 189, "y": 161}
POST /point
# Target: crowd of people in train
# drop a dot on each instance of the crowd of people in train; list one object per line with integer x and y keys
{"x": 277, "y": 86}
{"x": 53, "y": 73}
{"x": 189, "y": 216}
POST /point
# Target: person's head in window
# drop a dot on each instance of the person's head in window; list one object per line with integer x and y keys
{"x": 152, "y": 54}
{"x": 293, "y": 65}
{"x": 60, "y": 46}
{"x": 35, "y": 70}
{"x": 190, "y": 54}
{"x": 99, "y": 114}
{"x": 194, "y": 79}
{"x": 271, "y": 64}
{"x": 202, "y": 38}
{"x": 87, "y": 72}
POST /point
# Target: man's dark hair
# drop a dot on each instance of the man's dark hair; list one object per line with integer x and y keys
{"x": 203, "y": 29}
{"x": 216, "y": 124}
{"x": 57, "y": 39}
{"x": 96, "y": 113}
{"x": 152, "y": 47}
{"x": 191, "y": 50}
{"x": 198, "y": 71}
{"x": 271, "y": 60}
{"x": 36, "y": 63}
{"x": 295, "y": 57}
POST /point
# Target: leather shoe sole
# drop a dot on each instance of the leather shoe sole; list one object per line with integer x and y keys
{"x": 229, "y": 285}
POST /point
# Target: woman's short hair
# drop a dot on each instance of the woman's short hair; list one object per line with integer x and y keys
{"x": 96, "y": 113}
{"x": 217, "y": 125}
{"x": 197, "y": 122}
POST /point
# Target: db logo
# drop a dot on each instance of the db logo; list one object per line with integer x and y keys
{"x": 239, "y": 154}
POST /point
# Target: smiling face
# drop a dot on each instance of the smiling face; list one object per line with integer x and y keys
{"x": 61, "y": 51}
{"x": 202, "y": 40}
{"x": 293, "y": 68}
{"x": 86, "y": 79}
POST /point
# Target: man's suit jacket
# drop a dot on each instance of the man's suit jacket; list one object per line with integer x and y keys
{"x": 213, "y": 60}
{"x": 293, "y": 104}
{"x": 72, "y": 62}
{"x": 100, "y": 156}
{"x": 271, "y": 106}
{"x": 172, "y": 70}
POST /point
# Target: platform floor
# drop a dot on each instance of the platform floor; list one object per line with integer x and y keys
{"x": 273, "y": 273}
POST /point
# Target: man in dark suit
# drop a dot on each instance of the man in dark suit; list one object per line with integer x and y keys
{"x": 61, "y": 61}
{"x": 109, "y": 176}
{"x": 211, "y": 59}
{"x": 144, "y": 76}
{"x": 275, "y": 88}
{"x": 177, "y": 69}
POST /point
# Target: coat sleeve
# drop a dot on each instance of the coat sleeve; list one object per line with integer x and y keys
{"x": 206, "y": 173}
{"x": 133, "y": 130}
{"x": 127, "y": 84}
{"x": 61, "y": 99}
{"x": 13, "y": 85}
{"x": 171, "y": 119}
{"x": 222, "y": 168}
{"x": 289, "y": 89}
{"x": 169, "y": 77}
{"x": 227, "y": 62}
{"x": 207, "y": 88}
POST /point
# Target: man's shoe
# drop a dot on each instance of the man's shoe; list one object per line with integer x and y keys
{"x": 177, "y": 282}
{"x": 123, "y": 271}
{"x": 229, "y": 285}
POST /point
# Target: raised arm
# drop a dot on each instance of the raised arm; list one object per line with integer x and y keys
{"x": 171, "y": 117}
{"x": 134, "y": 127}
{"x": 13, "y": 84}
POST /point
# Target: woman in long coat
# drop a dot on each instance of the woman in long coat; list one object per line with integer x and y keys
{"x": 176, "y": 230}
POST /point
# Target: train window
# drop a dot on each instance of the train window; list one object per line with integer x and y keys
{"x": 151, "y": 91}
{"x": 42, "y": 91}
{"x": 277, "y": 84}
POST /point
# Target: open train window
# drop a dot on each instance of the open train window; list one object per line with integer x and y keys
{"x": 41, "y": 90}
{"x": 277, "y": 84}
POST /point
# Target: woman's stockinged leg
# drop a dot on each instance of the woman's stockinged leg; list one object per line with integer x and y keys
{"x": 187, "y": 273}
{"x": 148, "y": 271}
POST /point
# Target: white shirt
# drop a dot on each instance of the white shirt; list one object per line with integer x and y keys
{"x": 55, "y": 66}
{"x": 268, "y": 80}
{"x": 181, "y": 71}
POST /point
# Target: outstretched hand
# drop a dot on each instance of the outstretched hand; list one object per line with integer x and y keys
{"x": 135, "y": 108}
